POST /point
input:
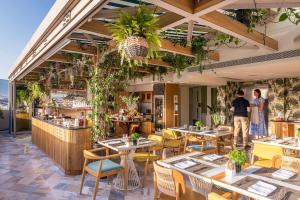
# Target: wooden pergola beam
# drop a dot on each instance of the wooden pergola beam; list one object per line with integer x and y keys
{"x": 227, "y": 25}
{"x": 100, "y": 29}
{"x": 204, "y": 13}
{"x": 84, "y": 49}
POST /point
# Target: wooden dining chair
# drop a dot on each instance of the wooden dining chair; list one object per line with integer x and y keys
{"x": 263, "y": 154}
{"x": 101, "y": 166}
{"x": 201, "y": 144}
{"x": 225, "y": 143}
{"x": 170, "y": 185}
{"x": 152, "y": 153}
{"x": 288, "y": 163}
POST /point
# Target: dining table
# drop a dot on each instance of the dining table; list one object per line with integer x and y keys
{"x": 216, "y": 133}
{"x": 122, "y": 145}
{"x": 253, "y": 181}
{"x": 288, "y": 143}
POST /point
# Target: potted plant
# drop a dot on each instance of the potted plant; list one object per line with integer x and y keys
{"x": 198, "y": 124}
{"x": 135, "y": 136}
{"x": 239, "y": 157}
{"x": 136, "y": 35}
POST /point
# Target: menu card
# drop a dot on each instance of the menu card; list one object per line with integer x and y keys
{"x": 114, "y": 142}
{"x": 283, "y": 174}
{"x": 212, "y": 157}
{"x": 185, "y": 164}
{"x": 262, "y": 188}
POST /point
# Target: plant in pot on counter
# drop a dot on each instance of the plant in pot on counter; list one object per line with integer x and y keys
{"x": 136, "y": 35}
{"x": 239, "y": 157}
{"x": 199, "y": 124}
{"x": 135, "y": 137}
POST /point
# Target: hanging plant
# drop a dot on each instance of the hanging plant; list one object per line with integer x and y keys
{"x": 198, "y": 49}
{"x": 250, "y": 17}
{"x": 136, "y": 35}
{"x": 225, "y": 39}
{"x": 291, "y": 14}
{"x": 178, "y": 62}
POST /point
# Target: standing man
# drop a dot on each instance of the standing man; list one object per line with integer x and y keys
{"x": 241, "y": 107}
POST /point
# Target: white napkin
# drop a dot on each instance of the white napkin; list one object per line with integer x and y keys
{"x": 144, "y": 142}
{"x": 211, "y": 157}
{"x": 262, "y": 188}
{"x": 113, "y": 142}
{"x": 278, "y": 141}
{"x": 283, "y": 174}
{"x": 185, "y": 164}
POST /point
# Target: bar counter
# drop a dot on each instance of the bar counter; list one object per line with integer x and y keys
{"x": 63, "y": 145}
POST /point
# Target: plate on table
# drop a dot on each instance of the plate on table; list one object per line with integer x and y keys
{"x": 262, "y": 188}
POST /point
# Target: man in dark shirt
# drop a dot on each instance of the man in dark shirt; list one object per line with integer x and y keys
{"x": 241, "y": 107}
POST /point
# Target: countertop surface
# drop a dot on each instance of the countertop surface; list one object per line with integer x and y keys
{"x": 62, "y": 126}
{"x": 287, "y": 121}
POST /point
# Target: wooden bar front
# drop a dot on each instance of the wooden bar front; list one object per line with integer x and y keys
{"x": 64, "y": 146}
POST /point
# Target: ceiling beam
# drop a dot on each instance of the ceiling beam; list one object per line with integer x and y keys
{"x": 168, "y": 19}
{"x": 206, "y": 6}
{"x": 227, "y": 25}
{"x": 270, "y": 4}
{"x": 190, "y": 33}
{"x": 219, "y": 21}
{"x": 98, "y": 28}
{"x": 114, "y": 13}
{"x": 84, "y": 49}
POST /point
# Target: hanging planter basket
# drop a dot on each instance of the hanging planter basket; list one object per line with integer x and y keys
{"x": 136, "y": 48}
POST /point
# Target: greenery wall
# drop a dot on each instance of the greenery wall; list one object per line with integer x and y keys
{"x": 284, "y": 94}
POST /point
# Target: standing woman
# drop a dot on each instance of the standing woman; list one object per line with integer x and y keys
{"x": 258, "y": 124}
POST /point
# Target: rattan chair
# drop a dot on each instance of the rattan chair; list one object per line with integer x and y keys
{"x": 101, "y": 166}
{"x": 225, "y": 143}
{"x": 205, "y": 187}
{"x": 170, "y": 184}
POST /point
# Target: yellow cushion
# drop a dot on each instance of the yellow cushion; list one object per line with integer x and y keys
{"x": 263, "y": 163}
{"x": 168, "y": 134}
{"x": 215, "y": 196}
{"x": 157, "y": 138}
{"x": 266, "y": 151}
{"x": 172, "y": 143}
{"x": 143, "y": 156}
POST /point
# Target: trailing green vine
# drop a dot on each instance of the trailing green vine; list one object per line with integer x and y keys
{"x": 178, "y": 62}
{"x": 106, "y": 80}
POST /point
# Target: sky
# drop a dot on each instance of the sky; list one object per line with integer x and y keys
{"x": 18, "y": 21}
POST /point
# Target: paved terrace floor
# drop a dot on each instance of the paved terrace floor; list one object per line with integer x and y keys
{"x": 26, "y": 173}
